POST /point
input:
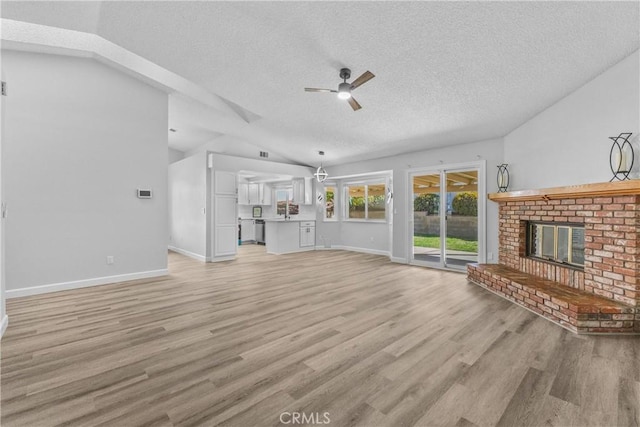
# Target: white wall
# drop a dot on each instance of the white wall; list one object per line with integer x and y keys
{"x": 80, "y": 137}
{"x": 568, "y": 142}
{"x": 238, "y": 147}
{"x": 187, "y": 203}
{"x": 356, "y": 235}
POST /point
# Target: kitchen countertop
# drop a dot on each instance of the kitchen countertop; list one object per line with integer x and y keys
{"x": 287, "y": 220}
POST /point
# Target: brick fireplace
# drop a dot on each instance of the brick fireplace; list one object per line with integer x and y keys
{"x": 601, "y": 297}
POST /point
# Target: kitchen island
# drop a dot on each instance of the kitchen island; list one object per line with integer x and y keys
{"x": 290, "y": 235}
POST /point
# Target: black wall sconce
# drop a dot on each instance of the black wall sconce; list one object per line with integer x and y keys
{"x": 503, "y": 178}
{"x": 621, "y": 157}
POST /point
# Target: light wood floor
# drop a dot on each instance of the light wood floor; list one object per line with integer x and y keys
{"x": 369, "y": 342}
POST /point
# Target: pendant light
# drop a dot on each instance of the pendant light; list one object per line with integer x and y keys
{"x": 321, "y": 174}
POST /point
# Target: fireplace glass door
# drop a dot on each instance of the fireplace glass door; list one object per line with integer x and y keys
{"x": 559, "y": 243}
{"x": 445, "y": 218}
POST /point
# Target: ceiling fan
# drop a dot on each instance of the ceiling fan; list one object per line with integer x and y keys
{"x": 344, "y": 88}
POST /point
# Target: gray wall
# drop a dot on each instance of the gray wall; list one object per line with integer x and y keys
{"x": 80, "y": 138}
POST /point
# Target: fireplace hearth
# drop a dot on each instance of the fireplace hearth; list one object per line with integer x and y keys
{"x": 583, "y": 241}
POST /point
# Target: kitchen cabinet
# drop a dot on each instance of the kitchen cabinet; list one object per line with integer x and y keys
{"x": 254, "y": 194}
{"x": 307, "y": 234}
{"x": 298, "y": 190}
{"x": 283, "y": 237}
{"x": 225, "y": 216}
{"x": 243, "y": 194}
{"x": 265, "y": 194}
{"x": 225, "y": 183}
{"x": 302, "y": 191}
{"x": 247, "y": 230}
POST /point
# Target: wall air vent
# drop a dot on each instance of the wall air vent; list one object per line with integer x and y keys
{"x": 264, "y": 154}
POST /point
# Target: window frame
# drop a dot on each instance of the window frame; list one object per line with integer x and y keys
{"x": 336, "y": 198}
{"x": 366, "y": 183}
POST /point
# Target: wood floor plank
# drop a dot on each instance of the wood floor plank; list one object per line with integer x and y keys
{"x": 367, "y": 341}
{"x": 628, "y": 398}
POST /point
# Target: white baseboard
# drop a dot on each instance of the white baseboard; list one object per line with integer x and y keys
{"x": 189, "y": 254}
{"x": 55, "y": 287}
{"x": 355, "y": 249}
{"x": 399, "y": 260}
{"x": 330, "y": 248}
{"x": 221, "y": 258}
{"x": 3, "y": 325}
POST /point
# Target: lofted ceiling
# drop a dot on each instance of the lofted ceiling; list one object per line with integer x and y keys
{"x": 446, "y": 72}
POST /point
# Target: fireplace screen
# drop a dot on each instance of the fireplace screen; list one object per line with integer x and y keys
{"x": 560, "y": 243}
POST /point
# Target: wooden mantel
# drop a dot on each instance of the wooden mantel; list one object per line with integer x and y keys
{"x": 618, "y": 188}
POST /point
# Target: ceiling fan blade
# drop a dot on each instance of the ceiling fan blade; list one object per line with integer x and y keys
{"x": 313, "y": 89}
{"x": 354, "y": 104}
{"x": 365, "y": 77}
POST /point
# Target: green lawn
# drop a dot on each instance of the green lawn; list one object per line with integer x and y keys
{"x": 453, "y": 243}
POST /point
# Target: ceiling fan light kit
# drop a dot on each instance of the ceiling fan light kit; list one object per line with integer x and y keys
{"x": 345, "y": 89}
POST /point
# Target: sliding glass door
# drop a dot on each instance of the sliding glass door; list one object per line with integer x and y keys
{"x": 427, "y": 247}
{"x": 445, "y": 229}
{"x": 461, "y": 221}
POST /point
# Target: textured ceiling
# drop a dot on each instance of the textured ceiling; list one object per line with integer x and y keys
{"x": 446, "y": 72}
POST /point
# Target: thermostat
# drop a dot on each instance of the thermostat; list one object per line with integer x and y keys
{"x": 144, "y": 194}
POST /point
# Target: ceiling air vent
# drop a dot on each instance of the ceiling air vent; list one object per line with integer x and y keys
{"x": 264, "y": 154}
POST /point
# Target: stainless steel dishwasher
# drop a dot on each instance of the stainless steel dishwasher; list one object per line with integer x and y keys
{"x": 260, "y": 231}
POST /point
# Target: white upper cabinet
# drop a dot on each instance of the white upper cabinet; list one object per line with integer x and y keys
{"x": 265, "y": 194}
{"x": 303, "y": 191}
{"x": 243, "y": 194}
{"x": 254, "y": 194}
{"x": 308, "y": 191}
{"x": 298, "y": 190}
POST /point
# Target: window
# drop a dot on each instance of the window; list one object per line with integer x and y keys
{"x": 366, "y": 201}
{"x": 559, "y": 243}
{"x": 329, "y": 202}
{"x": 376, "y": 201}
{"x": 284, "y": 202}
